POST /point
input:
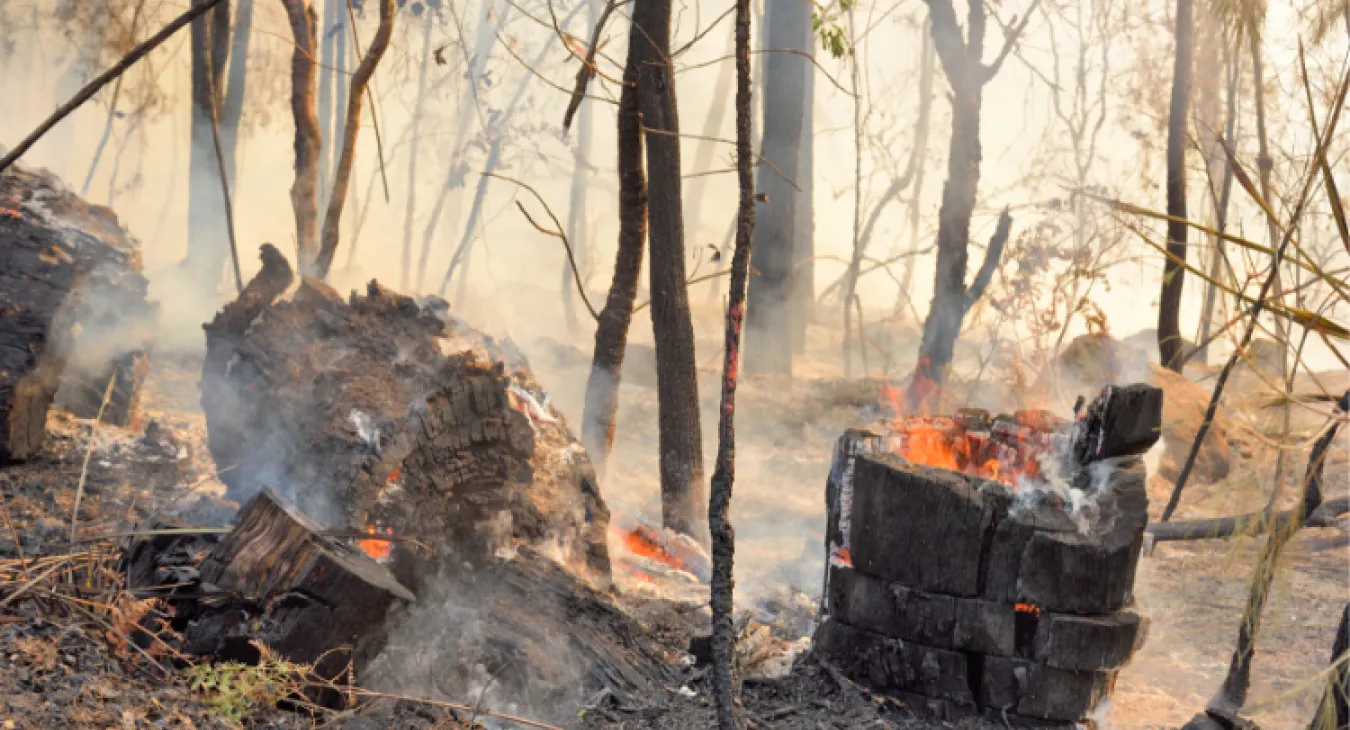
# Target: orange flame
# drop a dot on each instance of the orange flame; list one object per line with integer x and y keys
{"x": 379, "y": 550}
{"x": 944, "y": 443}
{"x": 644, "y": 542}
{"x": 1030, "y": 608}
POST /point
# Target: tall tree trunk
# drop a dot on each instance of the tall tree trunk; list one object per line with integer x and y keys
{"x": 802, "y": 281}
{"x": 232, "y": 110}
{"x": 857, "y": 247}
{"x": 305, "y": 189}
{"x": 410, "y": 211}
{"x": 719, "y": 506}
{"x": 328, "y": 78}
{"x": 1219, "y": 166}
{"x": 1170, "y": 343}
{"x": 769, "y": 344}
{"x": 341, "y": 45}
{"x": 611, "y": 332}
{"x": 207, "y": 246}
{"x": 342, "y": 177}
{"x": 683, "y": 492}
{"x": 456, "y": 169}
{"x": 705, "y": 151}
{"x": 943, "y": 323}
{"x": 577, "y": 228}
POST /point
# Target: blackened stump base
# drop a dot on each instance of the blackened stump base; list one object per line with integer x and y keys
{"x": 944, "y": 588}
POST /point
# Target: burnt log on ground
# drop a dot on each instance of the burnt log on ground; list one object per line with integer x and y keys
{"x": 73, "y": 312}
{"x": 376, "y": 412}
{"x": 311, "y": 599}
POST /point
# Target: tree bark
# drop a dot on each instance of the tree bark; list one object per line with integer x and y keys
{"x": 683, "y": 493}
{"x": 719, "y": 506}
{"x": 405, "y": 279}
{"x": 305, "y": 189}
{"x": 207, "y": 247}
{"x": 769, "y": 342}
{"x": 1170, "y": 343}
{"x": 611, "y": 333}
{"x": 352, "y": 125}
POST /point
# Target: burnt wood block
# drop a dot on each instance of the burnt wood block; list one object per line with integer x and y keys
{"x": 311, "y": 594}
{"x": 1036, "y": 690}
{"x": 839, "y": 484}
{"x": 874, "y": 605}
{"x": 986, "y": 627}
{"x": 885, "y": 665}
{"x": 1121, "y": 421}
{"x": 921, "y": 527}
{"x": 1069, "y": 572}
{"x": 1086, "y": 642}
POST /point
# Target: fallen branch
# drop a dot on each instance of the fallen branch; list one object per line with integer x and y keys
{"x": 116, "y": 71}
{"x": 1248, "y": 525}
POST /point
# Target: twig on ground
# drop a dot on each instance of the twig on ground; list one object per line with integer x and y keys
{"x": 89, "y": 452}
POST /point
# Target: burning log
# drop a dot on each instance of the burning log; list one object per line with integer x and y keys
{"x": 380, "y": 413}
{"x": 299, "y": 593}
{"x": 73, "y": 312}
{"x": 989, "y": 563}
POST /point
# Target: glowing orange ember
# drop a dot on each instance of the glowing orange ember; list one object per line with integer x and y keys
{"x": 1027, "y": 608}
{"x": 378, "y": 549}
{"x": 643, "y": 541}
{"x": 1005, "y": 450}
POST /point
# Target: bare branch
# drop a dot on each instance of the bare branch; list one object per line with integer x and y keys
{"x": 1009, "y": 41}
{"x": 588, "y": 69}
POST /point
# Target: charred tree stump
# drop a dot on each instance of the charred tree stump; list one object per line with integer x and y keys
{"x": 73, "y": 312}
{"x": 379, "y": 413}
{"x": 302, "y": 595}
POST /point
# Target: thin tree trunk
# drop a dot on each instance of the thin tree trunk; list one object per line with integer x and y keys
{"x": 768, "y": 343}
{"x": 611, "y": 332}
{"x": 456, "y": 169}
{"x": 961, "y": 61}
{"x": 1220, "y": 209}
{"x": 1170, "y": 342}
{"x": 342, "y": 178}
{"x": 856, "y": 258}
{"x": 232, "y": 110}
{"x": 719, "y": 507}
{"x": 706, "y": 149}
{"x": 305, "y": 189}
{"x": 577, "y": 228}
{"x": 332, "y": 11}
{"x": 207, "y": 248}
{"x": 405, "y": 278}
{"x": 340, "y": 47}
{"x": 683, "y": 492}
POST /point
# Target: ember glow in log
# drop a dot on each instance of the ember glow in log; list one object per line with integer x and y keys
{"x": 980, "y": 563}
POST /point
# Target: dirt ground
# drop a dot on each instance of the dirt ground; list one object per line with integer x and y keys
{"x": 52, "y": 675}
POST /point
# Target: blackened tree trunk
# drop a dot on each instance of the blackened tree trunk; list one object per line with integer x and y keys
{"x": 305, "y": 189}
{"x": 232, "y": 110}
{"x": 611, "y": 332}
{"x": 342, "y": 175}
{"x": 719, "y": 505}
{"x": 1170, "y": 344}
{"x": 683, "y": 493}
{"x": 1334, "y": 711}
{"x": 769, "y": 342}
{"x": 207, "y": 246}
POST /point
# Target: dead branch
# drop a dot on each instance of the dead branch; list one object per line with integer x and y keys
{"x": 220, "y": 167}
{"x": 1008, "y": 42}
{"x": 374, "y": 108}
{"x": 1248, "y": 525}
{"x": 102, "y": 80}
{"x": 588, "y": 69}
{"x": 992, "y": 256}
{"x": 342, "y": 178}
{"x": 556, "y": 233}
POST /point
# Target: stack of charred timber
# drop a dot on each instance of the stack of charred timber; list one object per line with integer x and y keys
{"x": 73, "y": 312}
{"x": 959, "y": 593}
